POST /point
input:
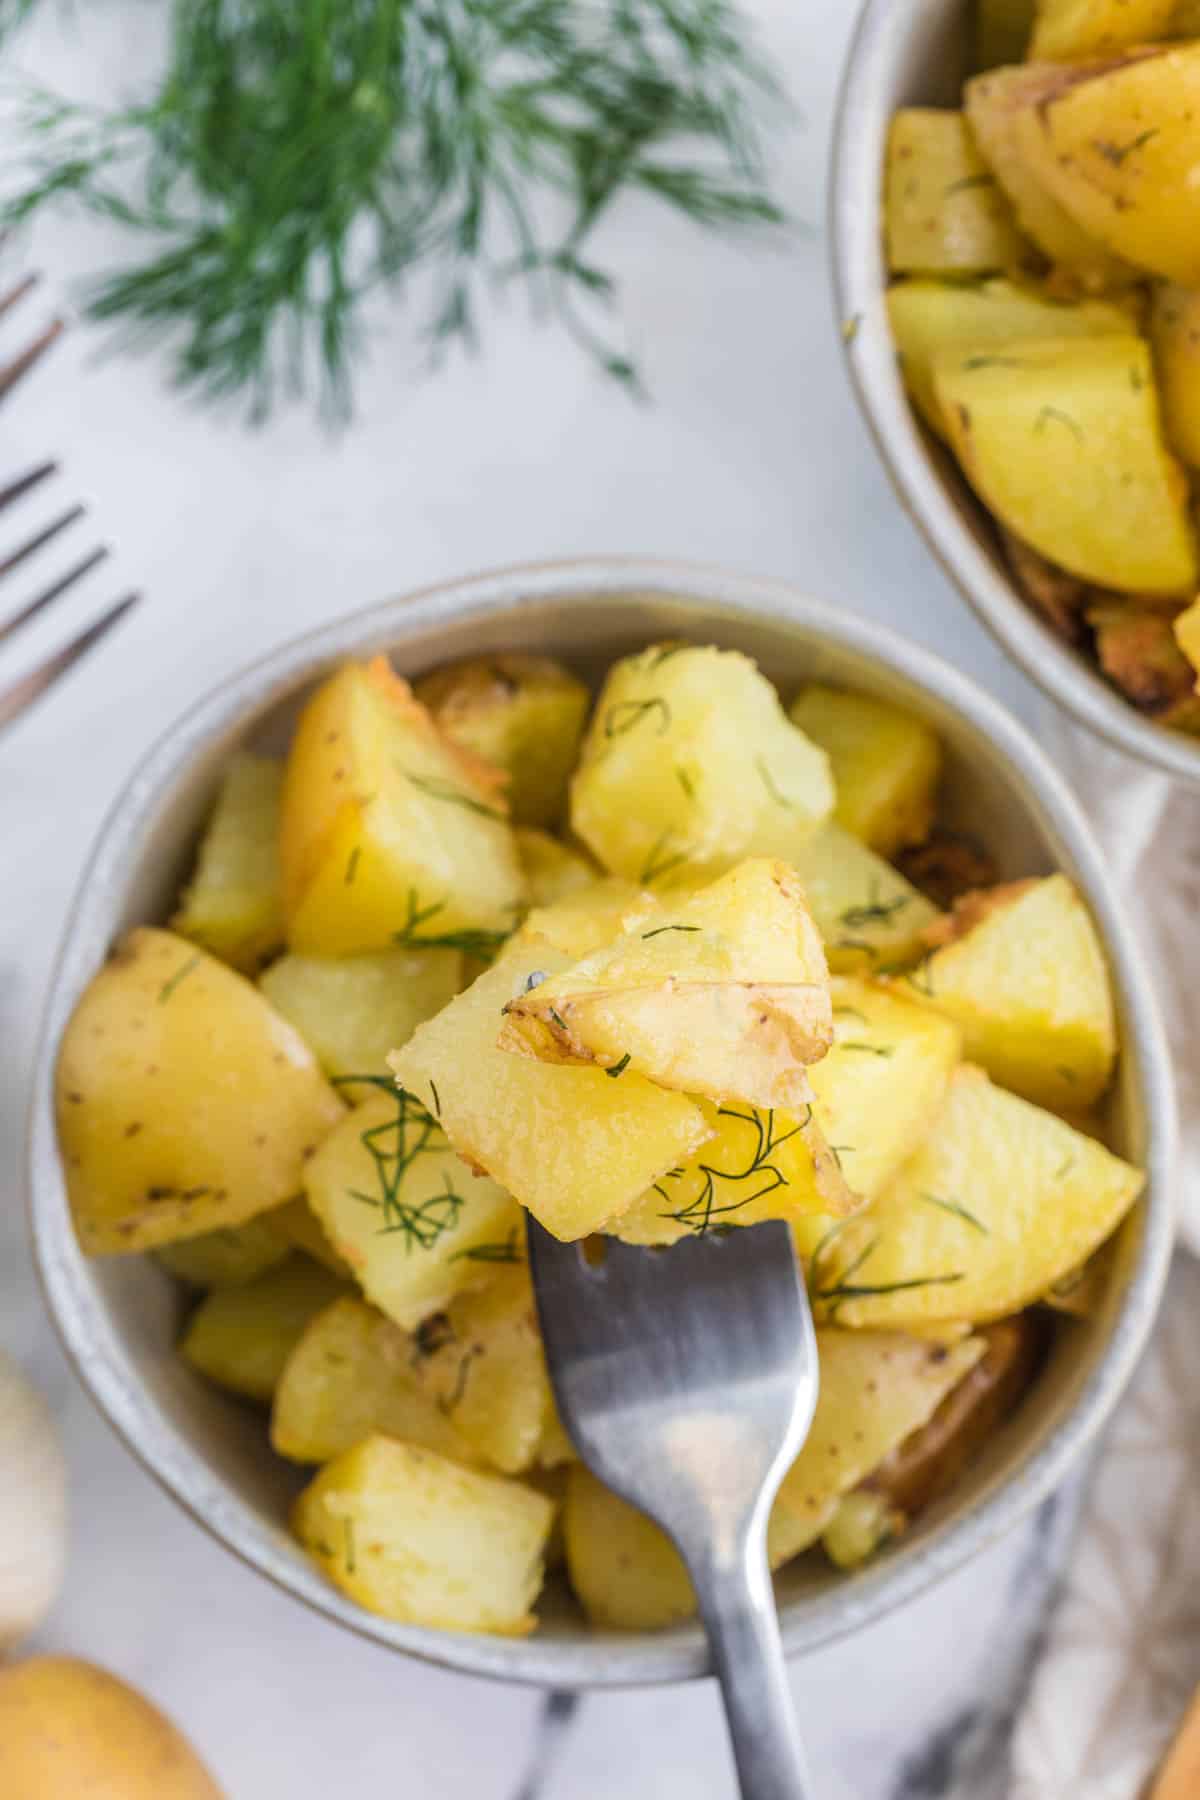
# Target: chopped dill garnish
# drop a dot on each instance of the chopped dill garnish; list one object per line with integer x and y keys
{"x": 867, "y": 1049}
{"x": 438, "y": 789}
{"x": 437, "y": 1100}
{"x": 181, "y": 974}
{"x": 1049, "y": 413}
{"x": 854, "y": 943}
{"x": 1068, "y": 1075}
{"x": 685, "y": 781}
{"x": 508, "y": 1251}
{"x": 1064, "y": 1167}
{"x": 959, "y": 1211}
{"x": 471, "y": 940}
{"x": 618, "y": 1068}
{"x": 625, "y": 714}
{"x": 393, "y": 1146}
{"x": 664, "y": 653}
{"x": 846, "y": 1288}
{"x": 558, "y": 1019}
{"x": 352, "y": 865}
{"x": 448, "y": 1402}
{"x": 768, "y": 781}
{"x": 990, "y": 359}
{"x": 659, "y": 929}
{"x": 1116, "y": 153}
{"x": 875, "y": 911}
{"x": 965, "y": 182}
{"x": 713, "y": 1204}
{"x": 849, "y": 1012}
{"x": 656, "y": 864}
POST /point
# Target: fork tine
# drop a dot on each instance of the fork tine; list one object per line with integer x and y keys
{"x": 14, "y": 561}
{"x": 20, "y": 365}
{"x": 24, "y": 483}
{"x": 22, "y": 694}
{"x": 15, "y": 295}
{"x": 50, "y": 594}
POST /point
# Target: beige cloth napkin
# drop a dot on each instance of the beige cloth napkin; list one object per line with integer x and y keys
{"x": 1122, "y": 1650}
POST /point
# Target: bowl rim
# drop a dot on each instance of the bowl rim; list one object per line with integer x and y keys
{"x": 859, "y": 279}
{"x": 596, "y": 1662}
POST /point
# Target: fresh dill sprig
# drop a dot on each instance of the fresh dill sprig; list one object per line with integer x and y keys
{"x": 471, "y": 940}
{"x": 297, "y": 158}
{"x": 394, "y": 1146}
{"x": 720, "y": 1192}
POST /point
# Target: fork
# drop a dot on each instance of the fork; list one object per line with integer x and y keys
{"x": 18, "y": 695}
{"x": 687, "y": 1379}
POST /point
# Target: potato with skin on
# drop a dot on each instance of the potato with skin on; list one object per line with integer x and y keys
{"x": 928, "y": 317}
{"x": 351, "y": 1375}
{"x": 691, "y": 763}
{"x": 999, "y": 1202}
{"x": 944, "y": 211}
{"x": 399, "y": 1206}
{"x": 875, "y": 1389}
{"x": 229, "y": 1256}
{"x": 390, "y": 836}
{"x": 868, "y": 914}
{"x": 886, "y": 764}
{"x": 1175, "y": 335}
{"x": 185, "y": 1103}
{"x": 1138, "y": 647}
{"x": 552, "y": 870}
{"x": 523, "y": 714}
{"x": 419, "y": 1539}
{"x": 572, "y": 1143}
{"x": 1070, "y": 30}
{"x": 1062, "y": 440}
{"x": 1020, "y": 970}
{"x": 353, "y": 1010}
{"x": 726, "y": 995}
{"x": 233, "y": 905}
{"x": 241, "y": 1337}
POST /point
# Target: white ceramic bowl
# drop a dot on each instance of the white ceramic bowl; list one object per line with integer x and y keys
{"x": 915, "y": 53}
{"x": 119, "y": 1317}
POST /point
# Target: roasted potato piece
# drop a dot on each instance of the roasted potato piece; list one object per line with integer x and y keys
{"x": 1139, "y": 650}
{"x": 233, "y": 904}
{"x": 690, "y": 762}
{"x": 185, "y": 1103}
{"x": 944, "y": 211}
{"x": 1175, "y": 334}
{"x": 481, "y": 1365}
{"x": 390, "y": 836}
{"x": 1069, "y": 30}
{"x": 298, "y": 1228}
{"x": 241, "y": 1337}
{"x": 228, "y": 1256}
{"x": 929, "y": 317}
{"x": 1002, "y": 31}
{"x": 351, "y": 1374}
{"x": 1187, "y": 635}
{"x": 579, "y": 923}
{"x": 572, "y": 1144}
{"x": 416, "y": 1537}
{"x": 1115, "y": 145}
{"x": 352, "y": 1010}
{"x": 886, "y": 764}
{"x": 868, "y": 914}
{"x": 999, "y": 1202}
{"x": 725, "y": 994}
{"x": 876, "y": 1388}
{"x": 948, "y": 865}
{"x": 397, "y": 1204}
{"x": 1021, "y": 972}
{"x": 552, "y": 870}
{"x": 996, "y": 104}
{"x": 1062, "y": 440}
{"x": 523, "y": 714}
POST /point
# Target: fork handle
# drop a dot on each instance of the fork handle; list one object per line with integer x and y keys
{"x": 737, "y": 1604}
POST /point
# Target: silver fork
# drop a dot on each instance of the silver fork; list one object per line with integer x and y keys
{"x": 17, "y": 695}
{"x": 687, "y": 1380}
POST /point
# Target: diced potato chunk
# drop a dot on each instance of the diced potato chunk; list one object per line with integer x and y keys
{"x": 579, "y": 923}
{"x": 552, "y": 870}
{"x": 944, "y": 211}
{"x": 725, "y": 994}
{"x": 876, "y": 1388}
{"x": 691, "y": 761}
{"x": 233, "y": 905}
{"x": 999, "y": 1202}
{"x": 351, "y": 1374}
{"x": 390, "y": 835}
{"x": 185, "y": 1103}
{"x": 869, "y": 916}
{"x": 1022, "y": 974}
{"x": 225, "y": 1257}
{"x": 1138, "y": 647}
{"x": 929, "y": 317}
{"x": 1069, "y": 30}
{"x": 524, "y": 714}
{"x": 416, "y": 1537}
{"x": 571, "y": 1143}
{"x": 1115, "y": 145}
{"x": 1062, "y": 440}
{"x": 1175, "y": 333}
{"x": 397, "y": 1203}
{"x": 352, "y": 1010}
{"x": 886, "y": 764}
{"x": 484, "y": 1369}
{"x": 241, "y": 1337}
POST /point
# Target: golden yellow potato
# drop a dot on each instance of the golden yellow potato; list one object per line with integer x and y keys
{"x": 241, "y": 1337}
{"x": 573, "y": 1144}
{"x": 552, "y": 869}
{"x": 352, "y": 1374}
{"x": 390, "y": 835}
{"x": 932, "y": 316}
{"x": 944, "y": 211}
{"x": 233, "y": 904}
{"x": 1021, "y": 972}
{"x": 1116, "y": 148}
{"x": 868, "y": 915}
{"x": 72, "y": 1731}
{"x": 886, "y": 764}
{"x": 586, "y": 920}
{"x": 481, "y": 1364}
{"x": 402, "y": 1209}
{"x": 225, "y": 1257}
{"x": 862, "y": 1524}
{"x": 418, "y": 1538}
{"x": 691, "y": 763}
{"x": 1069, "y": 30}
{"x": 184, "y": 1102}
{"x": 1175, "y": 334}
{"x": 726, "y": 993}
{"x": 1062, "y": 441}
{"x": 1187, "y": 634}
{"x": 999, "y": 1202}
{"x": 298, "y": 1228}
{"x": 523, "y": 714}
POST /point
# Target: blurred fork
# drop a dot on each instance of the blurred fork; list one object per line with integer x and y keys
{"x": 687, "y": 1379}
{"x": 19, "y": 694}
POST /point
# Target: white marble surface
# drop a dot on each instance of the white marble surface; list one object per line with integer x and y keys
{"x": 750, "y": 454}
